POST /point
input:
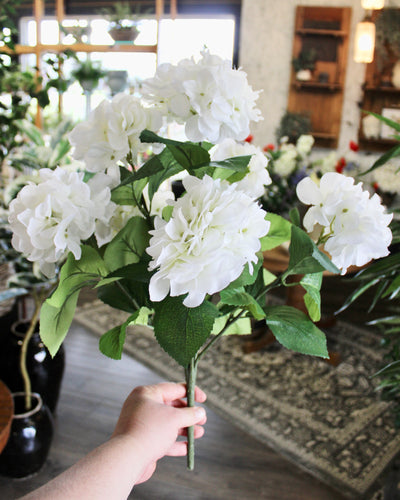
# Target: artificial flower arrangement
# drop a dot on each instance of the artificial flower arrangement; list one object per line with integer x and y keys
{"x": 192, "y": 267}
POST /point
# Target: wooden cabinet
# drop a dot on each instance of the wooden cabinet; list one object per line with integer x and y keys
{"x": 379, "y": 94}
{"x": 323, "y": 30}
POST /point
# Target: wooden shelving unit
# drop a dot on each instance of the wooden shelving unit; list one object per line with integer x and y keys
{"x": 39, "y": 49}
{"x": 324, "y": 29}
{"x": 377, "y": 95}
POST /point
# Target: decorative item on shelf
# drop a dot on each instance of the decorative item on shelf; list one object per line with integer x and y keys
{"x": 88, "y": 73}
{"x": 371, "y": 127}
{"x": 304, "y": 64}
{"x": 292, "y": 126}
{"x": 30, "y": 438}
{"x": 124, "y": 24}
{"x": 364, "y": 44}
{"x": 79, "y": 33}
{"x": 117, "y": 80}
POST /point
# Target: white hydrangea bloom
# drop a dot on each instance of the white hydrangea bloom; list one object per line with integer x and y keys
{"x": 258, "y": 177}
{"x": 388, "y": 177}
{"x": 287, "y": 161}
{"x": 304, "y": 145}
{"x": 354, "y": 225}
{"x": 112, "y": 131}
{"x": 215, "y": 229}
{"x": 213, "y": 100}
{"x": 51, "y": 218}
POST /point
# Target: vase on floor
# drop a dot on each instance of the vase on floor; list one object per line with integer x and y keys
{"x": 45, "y": 372}
{"x": 30, "y": 438}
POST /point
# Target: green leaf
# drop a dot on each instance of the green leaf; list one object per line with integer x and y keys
{"x": 57, "y": 312}
{"x": 279, "y": 232}
{"x": 305, "y": 257}
{"x": 61, "y": 149}
{"x": 295, "y": 331}
{"x": 312, "y": 299}
{"x": 31, "y": 131}
{"x": 129, "y": 194}
{"x": 180, "y": 330}
{"x": 294, "y": 216}
{"x": 112, "y": 342}
{"x": 128, "y": 245}
{"x": 240, "y": 298}
{"x": 356, "y": 293}
{"x": 241, "y": 326}
{"x": 237, "y": 163}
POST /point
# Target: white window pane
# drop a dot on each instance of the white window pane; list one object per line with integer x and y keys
{"x": 181, "y": 38}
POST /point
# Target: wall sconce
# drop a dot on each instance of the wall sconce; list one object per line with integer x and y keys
{"x": 372, "y": 4}
{"x": 364, "y": 44}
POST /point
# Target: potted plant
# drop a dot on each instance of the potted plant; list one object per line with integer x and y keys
{"x": 88, "y": 74}
{"x": 123, "y": 22}
{"x": 304, "y": 64}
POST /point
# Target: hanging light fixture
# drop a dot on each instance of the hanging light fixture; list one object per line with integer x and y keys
{"x": 372, "y": 4}
{"x": 364, "y": 44}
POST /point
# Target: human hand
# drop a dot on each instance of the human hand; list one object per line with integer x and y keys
{"x": 154, "y": 416}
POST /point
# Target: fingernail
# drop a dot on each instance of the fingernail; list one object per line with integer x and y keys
{"x": 200, "y": 412}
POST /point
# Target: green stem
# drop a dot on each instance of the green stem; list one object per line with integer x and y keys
{"x": 24, "y": 350}
{"x": 128, "y": 295}
{"x": 191, "y": 371}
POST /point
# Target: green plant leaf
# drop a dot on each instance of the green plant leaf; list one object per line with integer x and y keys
{"x": 31, "y": 131}
{"x": 305, "y": 256}
{"x": 180, "y": 330}
{"x": 128, "y": 245}
{"x": 241, "y": 326}
{"x": 57, "y": 312}
{"x": 312, "y": 299}
{"x": 279, "y": 232}
{"x": 112, "y": 342}
{"x": 295, "y": 331}
{"x": 240, "y": 298}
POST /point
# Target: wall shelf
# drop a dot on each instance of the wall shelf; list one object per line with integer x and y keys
{"x": 324, "y": 30}
{"x": 378, "y": 94}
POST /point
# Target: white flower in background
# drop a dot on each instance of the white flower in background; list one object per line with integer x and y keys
{"x": 304, "y": 145}
{"x": 258, "y": 177}
{"x": 287, "y": 161}
{"x": 328, "y": 163}
{"x": 53, "y": 217}
{"x": 354, "y": 226}
{"x": 388, "y": 177}
{"x": 213, "y": 100}
{"x": 112, "y": 131}
{"x": 215, "y": 229}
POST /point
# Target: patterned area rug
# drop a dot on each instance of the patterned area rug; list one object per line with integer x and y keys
{"x": 326, "y": 419}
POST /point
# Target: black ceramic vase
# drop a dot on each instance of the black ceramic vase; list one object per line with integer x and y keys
{"x": 45, "y": 372}
{"x": 30, "y": 438}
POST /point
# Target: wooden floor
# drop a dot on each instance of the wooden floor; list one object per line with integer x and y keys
{"x": 229, "y": 463}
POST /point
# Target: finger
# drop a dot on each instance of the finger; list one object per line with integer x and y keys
{"x": 198, "y": 431}
{"x": 190, "y": 416}
{"x": 199, "y": 395}
{"x": 178, "y": 449}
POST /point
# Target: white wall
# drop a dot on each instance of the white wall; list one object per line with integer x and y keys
{"x": 266, "y": 52}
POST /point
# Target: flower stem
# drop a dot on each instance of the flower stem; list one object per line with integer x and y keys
{"x": 191, "y": 371}
{"x": 24, "y": 350}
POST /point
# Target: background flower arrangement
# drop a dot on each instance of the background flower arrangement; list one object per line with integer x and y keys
{"x": 190, "y": 267}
